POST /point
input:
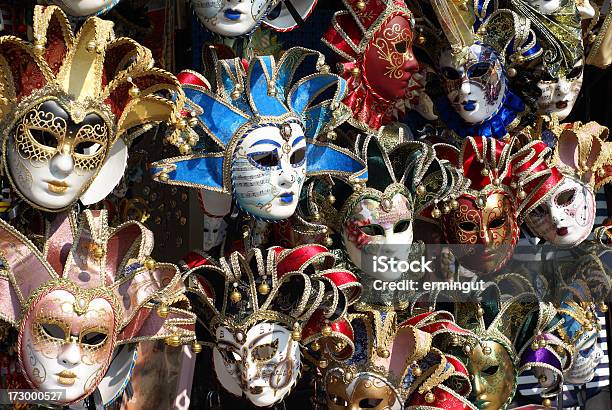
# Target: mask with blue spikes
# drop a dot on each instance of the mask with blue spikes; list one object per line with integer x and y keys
{"x": 254, "y": 134}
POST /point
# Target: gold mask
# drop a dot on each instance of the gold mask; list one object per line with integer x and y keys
{"x": 361, "y": 392}
{"x": 493, "y": 376}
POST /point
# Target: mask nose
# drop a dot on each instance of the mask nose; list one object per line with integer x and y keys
{"x": 286, "y": 176}
{"x": 479, "y": 387}
{"x": 465, "y": 88}
{"x": 61, "y": 165}
{"x": 564, "y": 85}
{"x": 557, "y": 215}
{"x": 70, "y": 354}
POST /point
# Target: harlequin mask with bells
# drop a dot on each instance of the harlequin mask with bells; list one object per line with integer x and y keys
{"x": 254, "y": 137}
{"x": 374, "y": 42}
{"x": 235, "y": 18}
{"x": 66, "y": 110}
{"x": 92, "y": 289}
{"x": 567, "y": 215}
{"x": 85, "y": 8}
{"x": 474, "y": 71}
{"x": 258, "y": 305}
{"x": 485, "y": 217}
{"x": 396, "y": 366}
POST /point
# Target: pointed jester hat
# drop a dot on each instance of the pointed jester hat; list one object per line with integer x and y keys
{"x": 91, "y": 289}
{"x": 254, "y": 135}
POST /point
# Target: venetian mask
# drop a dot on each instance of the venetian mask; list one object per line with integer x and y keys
{"x": 269, "y": 169}
{"x": 377, "y": 228}
{"x": 586, "y": 359}
{"x": 493, "y": 375}
{"x": 263, "y": 363}
{"x": 477, "y": 87}
{"x": 560, "y": 94}
{"x": 490, "y": 230}
{"x": 214, "y": 232}
{"x": 566, "y": 218}
{"x": 83, "y": 8}
{"x": 545, "y": 6}
{"x": 360, "y": 392}
{"x": 67, "y": 343}
{"x": 389, "y": 61}
{"x": 231, "y": 18}
{"x": 52, "y": 158}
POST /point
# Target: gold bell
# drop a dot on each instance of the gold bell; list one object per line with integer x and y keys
{"x": 361, "y": 5}
{"x": 326, "y": 330}
{"x": 480, "y": 312}
{"x": 484, "y": 172}
{"x": 322, "y": 364}
{"x": 331, "y": 135}
{"x": 163, "y": 177}
{"x": 235, "y": 296}
{"x": 542, "y": 343}
{"x": 331, "y": 199}
{"x": 91, "y": 46}
{"x": 522, "y": 194}
{"x": 421, "y": 39}
{"x": 454, "y": 204}
{"x": 487, "y": 350}
{"x": 192, "y": 122}
{"x": 134, "y": 92}
{"x": 174, "y": 341}
{"x": 421, "y": 190}
{"x": 296, "y": 334}
{"x": 149, "y": 263}
{"x": 196, "y": 347}
{"x": 512, "y": 72}
{"x": 97, "y": 251}
{"x": 355, "y": 71}
{"x": 329, "y": 241}
{"x": 339, "y": 346}
{"x": 263, "y": 288}
{"x": 535, "y": 345}
{"x": 348, "y": 377}
{"x": 436, "y": 213}
{"x": 519, "y": 59}
{"x": 429, "y": 397}
{"x": 184, "y": 149}
{"x": 384, "y": 353}
{"x": 235, "y": 94}
{"x": 315, "y": 346}
{"x": 163, "y": 311}
{"x": 546, "y": 403}
{"x": 316, "y": 216}
{"x": 417, "y": 371}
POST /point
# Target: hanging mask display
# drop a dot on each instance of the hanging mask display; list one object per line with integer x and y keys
{"x": 85, "y": 295}
{"x": 477, "y": 97}
{"x": 567, "y": 215}
{"x": 85, "y": 8}
{"x": 67, "y": 108}
{"x": 254, "y": 138}
{"x": 258, "y": 314}
{"x": 235, "y": 18}
{"x": 374, "y": 42}
{"x": 395, "y": 365}
{"x": 485, "y": 218}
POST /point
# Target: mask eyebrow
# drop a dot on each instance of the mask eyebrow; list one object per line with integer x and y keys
{"x": 257, "y": 339}
{"x": 266, "y": 141}
{"x": 297, "y": 140}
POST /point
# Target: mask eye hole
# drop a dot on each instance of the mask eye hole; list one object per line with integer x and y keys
{"x": 297, "y": 158}
{"x": 491, "y": 370}
{"x": 575, "y": 73}
{"x": 401, "y": 46}
{"x": 265, "y": 352}
{"x": 401, "y": 226}
{"x": 451, "y": 73}
{"x": 369, "y": 403}
{"x": 479, "y": 69}
{"x": 93, "y": 338}
{"x": 468, "y": 226}
{"x": 87, "y": 148}
{"x": 45, "y": 138}
{"x": 229, "y": 356}
{"x": 337, "y": 400}
{"x": 372, "y": 230}
{"x": 540, "y": 210}
{"x": 566, "y": 197}
{"x": 54, "y": 331}
{"x": 497, "y": 222}
{"x": 265, "y": 159}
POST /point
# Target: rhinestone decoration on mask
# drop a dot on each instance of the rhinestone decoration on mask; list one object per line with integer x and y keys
{"x": 85, "y": 75}
{"x": 299, "y": 291}
{"x": 89, "y": 274}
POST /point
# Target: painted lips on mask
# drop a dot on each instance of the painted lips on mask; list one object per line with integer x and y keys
{"x": 232, "y": 14}
{"x": 469, "y": 105}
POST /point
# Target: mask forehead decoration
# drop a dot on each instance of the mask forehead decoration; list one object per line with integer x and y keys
{"x": 237, "y": 18}
{"x": 396, "y": 365}
{"x": 374, "y": 41}
{"x": 264, "y": 307}
{"x": 503, "y": 186}
{"x": 92, "y": 289}
{"x": 582, "y": 158}
{"x": 254, "y": 138}
{"x": 85, "y": 8}
{"x": 512, "y": 337}
{"x": 477, "y": 97}
{"x": 66, "y": 109}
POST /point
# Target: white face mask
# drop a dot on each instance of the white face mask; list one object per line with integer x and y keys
{"x": 586, "y": 9}
{"x": 64, "y": 350}
{"x": 545, "y": 6}
{"x": 586, "y": 359}
{"x": 262, "y": 364}
{"x": 51, "y": 159}
{"x": 559, "y": 95}
{"x": 214, "y": 232}
{"x": 566, "y": 218}
{"x": 231, "y": 18}
{"x": 84, "y": 8}
{"x": 373, "y": 231}
{"x": 477, "y": 88}
{"x": 268, "y": 171}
